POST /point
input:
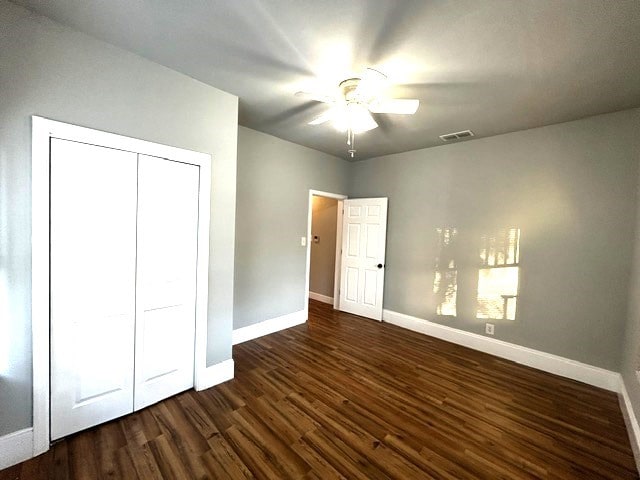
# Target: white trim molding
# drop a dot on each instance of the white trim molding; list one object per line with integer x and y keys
{"x": 266, "y": 327}
{"x": 630, "y": 420}
{"x": 16, "y": 447}
{"x": 215, "y": 375}
{"x": 40, "y": 222}
{"x": 321, "y": 298}
{"x": 565, "y": 367}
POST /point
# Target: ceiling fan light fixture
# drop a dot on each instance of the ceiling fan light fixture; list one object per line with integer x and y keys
{"x": 359, "y": 119}
{"x": 354, "y": 117}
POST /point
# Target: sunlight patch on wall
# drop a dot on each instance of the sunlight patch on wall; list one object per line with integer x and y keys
{"x": 445, "y": 283}
{"x": 496, "y": 268}
{"x": 499, "y": 275}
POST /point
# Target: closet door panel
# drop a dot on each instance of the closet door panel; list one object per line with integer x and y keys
{"x": 93, "y": 259}
{"x": 166, "y": 278}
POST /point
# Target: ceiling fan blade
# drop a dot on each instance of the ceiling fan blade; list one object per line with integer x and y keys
{"x": 325, "y": 117}
{"x": 400, "y": 106}
{"x": 372, "y": 83}
{"x": 316, "y": 97}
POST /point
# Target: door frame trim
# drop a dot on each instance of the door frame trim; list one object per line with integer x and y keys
{"x": 43, "y": 130}
{"x": 336, "y": 285}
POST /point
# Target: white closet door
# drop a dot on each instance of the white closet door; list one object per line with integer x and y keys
{"x": 166, "y": 278}
{"x": 93, "y": 250}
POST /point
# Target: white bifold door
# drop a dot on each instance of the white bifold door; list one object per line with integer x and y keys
{"x": 123, "y": 273}
{"x": 364, "y": 234}
{"x": 166, "y": 280}
{"x": 93, "y": 277}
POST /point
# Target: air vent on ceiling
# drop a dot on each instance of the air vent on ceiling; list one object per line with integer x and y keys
{"x": 456, "y": 135}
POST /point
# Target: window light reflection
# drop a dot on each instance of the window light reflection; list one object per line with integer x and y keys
{"x": 445, "y": 283}
{"x": 499, "y": 275}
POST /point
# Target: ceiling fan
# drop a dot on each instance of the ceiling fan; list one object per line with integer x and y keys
{"x": 357, "y": 98}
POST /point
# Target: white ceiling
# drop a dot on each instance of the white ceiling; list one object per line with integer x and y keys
{"x": 490, "y": 66}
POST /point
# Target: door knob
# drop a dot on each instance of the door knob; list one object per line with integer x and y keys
{"x": 380, "y": 265}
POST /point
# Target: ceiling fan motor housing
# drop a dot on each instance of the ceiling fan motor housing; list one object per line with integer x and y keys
{"x": 348, "y": 88}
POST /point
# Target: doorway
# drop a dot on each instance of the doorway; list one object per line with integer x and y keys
{"x": 324, "y": 241}
{"x": 324, "y": 220}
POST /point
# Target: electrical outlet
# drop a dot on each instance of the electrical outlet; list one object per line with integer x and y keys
{"x": 489, "y": 328}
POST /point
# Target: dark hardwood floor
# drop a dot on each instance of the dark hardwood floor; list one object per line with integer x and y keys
{"x": 346, "y": 397}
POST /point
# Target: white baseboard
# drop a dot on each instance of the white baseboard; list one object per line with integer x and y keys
{"x": 630, "y": 420}
{"x": 272, "y": 325}
{"x": 321, "y": 298}
{"x": 16, "y": 447}
{"x": 565, "y": 367}
{"x": 215, "y": 375}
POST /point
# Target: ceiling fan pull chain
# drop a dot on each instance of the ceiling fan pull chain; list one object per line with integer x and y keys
{"x": 351, "y": 140}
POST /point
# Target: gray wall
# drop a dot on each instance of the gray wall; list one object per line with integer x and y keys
{"x": 323, "y": 254}
{"x": 570, "y": 188}
{"x": 61, "y": 74}
{"x": 274, "y": 178}
{"x": 631, "y": 346}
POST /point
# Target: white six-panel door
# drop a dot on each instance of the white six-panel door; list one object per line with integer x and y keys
{"x": 364, "y": 234}
{"x": 93, "y": 261}
{"x": 166, "y": 278}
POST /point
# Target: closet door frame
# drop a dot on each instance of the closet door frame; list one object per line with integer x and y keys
{"x": 43, "y": 130}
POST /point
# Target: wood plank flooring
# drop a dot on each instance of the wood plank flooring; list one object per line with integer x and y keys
{"x": 348, "y": 398}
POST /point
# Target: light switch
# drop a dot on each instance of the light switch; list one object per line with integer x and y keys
{"x": 303, "y": 241}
